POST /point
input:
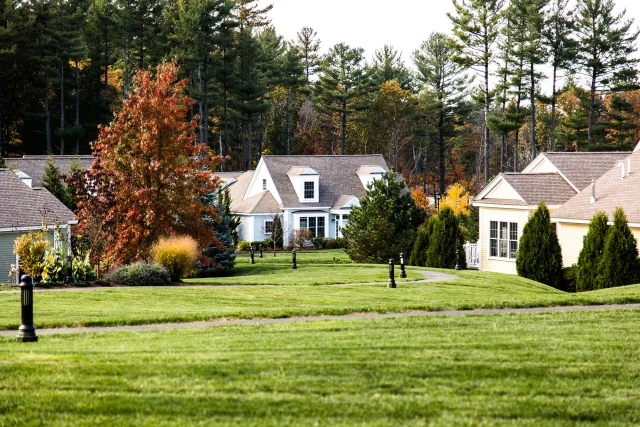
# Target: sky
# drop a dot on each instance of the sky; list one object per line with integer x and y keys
{"x": 371, "y": 24}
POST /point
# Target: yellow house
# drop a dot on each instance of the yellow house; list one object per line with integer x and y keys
{"x": 618, "y": 187}
{"x": 506, "y": 202}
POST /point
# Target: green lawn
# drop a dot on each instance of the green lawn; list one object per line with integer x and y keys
{"x": 126, "y": 306}
{"x": 573, "y": 369}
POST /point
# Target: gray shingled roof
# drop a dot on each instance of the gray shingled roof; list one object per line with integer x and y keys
{"x": 581, "y": 168}
{"x": 611, "y": 191}
{"x": 34, "y": 165}
{"x": 338, "y": 176}
{"x": 536, "y": 187}
{"x": 20, "y": 205}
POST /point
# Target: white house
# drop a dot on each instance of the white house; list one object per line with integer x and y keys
{"x": 312, "y": 192}
{"x": 505, "y": 203}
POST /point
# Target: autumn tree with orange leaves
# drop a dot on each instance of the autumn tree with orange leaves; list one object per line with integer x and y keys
{"x": 159, "y": 174}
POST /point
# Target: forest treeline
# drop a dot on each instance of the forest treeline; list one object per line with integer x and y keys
{"x": 515, "y": 77}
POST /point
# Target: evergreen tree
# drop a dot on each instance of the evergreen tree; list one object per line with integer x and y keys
{"x": 447, "y": 81}
{"x": 234, "y": 221}
{"x": 528, "y": 38}
{"x": 605, "y": 46}
{"x": 308, "y": 43}
{"x": 444, "y": 240}
{"x": 277, "y": 233}
{"x": 421, "y": 245}
{"x": 3, "y": 164}
{"x": 219, "y": 258}
{"x": 51, "y": 181}
{"x": 539, "y": 255}
{"x": 619, "y": 263}
{"x": 384, "y": 224}
{"x": 343, "y": 86}
{"x": 476, "y": 26}
{"x": 591, "y": 253}
{"x": 388, "y": 65}
{"x": 562, "y": 48}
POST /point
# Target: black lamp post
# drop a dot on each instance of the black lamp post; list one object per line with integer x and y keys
{"x": 293, "y": 260}
{"x": 253, "y": 261}
{"x": 437, "y": 200}
{"x": 69, "y": 278}
{"x": 260, "y": 256}
{"x": 457, "y": 259}
{"x": 26, "y": 331}
{"x": 392, "y": 280}
{"x": 403, "y": 274}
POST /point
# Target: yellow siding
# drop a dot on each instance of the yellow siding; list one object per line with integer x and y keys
{"x": 520, "y": 216}
{"x": 570, "y": 237}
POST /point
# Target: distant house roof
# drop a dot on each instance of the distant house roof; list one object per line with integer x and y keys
{"x": 34, "y": 165}
{"x": 580, "y": 168}
{"x": 611, "y": 190}
{"x": 23, "y": 206}
{"x": 338, "y": 175}
{"x": 537, "y": 187}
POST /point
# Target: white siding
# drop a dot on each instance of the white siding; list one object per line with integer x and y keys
{"x": 255, "y": 187}
{"x": 519, "y": 216}
{"x": 258, "y": 227}
{"x": 503, "y": 191}
{"x": 245, "y": 229}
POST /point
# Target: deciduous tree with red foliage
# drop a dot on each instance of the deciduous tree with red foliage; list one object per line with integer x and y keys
{"x": 158, "y": 174}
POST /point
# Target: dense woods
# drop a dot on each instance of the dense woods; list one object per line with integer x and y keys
{"x": 514, "y": 78}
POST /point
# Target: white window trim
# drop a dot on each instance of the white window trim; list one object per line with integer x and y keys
{"x": 264, "y": 227}
{"x": 499, "y": 258}
{"x": 304, "y": 190}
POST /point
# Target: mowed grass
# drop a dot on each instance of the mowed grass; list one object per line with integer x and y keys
{"x": 560, "y": 369}
{"x": 131, "y": 305}
{"x": 277, "y": 291}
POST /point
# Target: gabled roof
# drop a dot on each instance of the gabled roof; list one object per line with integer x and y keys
{"x": 260, "y": 203}
{"x": 345, "y": 201}
{"x": 301, "y": 170}
{"x": 610, "y": 191}
{"x": 338, "y": 176}
{"x": 532, "y": 188}
{"x": 368, "y": 170}
{"x": 579, "y": 168}
{"x": 22, "y": 206}
{"x": 34, "y": 165}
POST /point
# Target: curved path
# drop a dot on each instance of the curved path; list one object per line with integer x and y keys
{"x": 359, "y": 316}
{"x": 429, "y": 277}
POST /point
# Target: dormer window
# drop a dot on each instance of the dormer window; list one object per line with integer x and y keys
{"x": 309, "y": 190}
{"x": 264, "y": 185}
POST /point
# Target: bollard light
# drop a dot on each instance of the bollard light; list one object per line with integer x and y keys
{"x": 26, "y": 331}
{"x": 260, "y": 250}
{"x": 253, "y": 261}
{"x": 403, "y": 274}
{"x": 392, "y": 280}
{"x": 69, "y": 278}
{"x": 457, "y": 259}
{"x": 293, "y": 260}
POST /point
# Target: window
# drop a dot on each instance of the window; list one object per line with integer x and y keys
{"x": 503, "y": 239}
{"x": 264, "y": 184}
{"x": 309, "y": 190}
{"x": 314, "y": 224}
{"x": 268, "y": 227}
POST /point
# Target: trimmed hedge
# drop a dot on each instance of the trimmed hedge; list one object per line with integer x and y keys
{"x": 139, "y": 274}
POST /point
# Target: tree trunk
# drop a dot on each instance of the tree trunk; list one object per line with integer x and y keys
{"x": 62, "y": 109}
{"x": 441, "y": 150}
{"x": 77, "y": 123}
{"x": 47, "y": 114}
{"x": 205, "y": 107}
{"x": 553, "y": 110}
{"x": 344, "y": 127}
{"x": 592, "y": 103}
{"x": 486, "y": 116}
{"x": 532, "y": 97}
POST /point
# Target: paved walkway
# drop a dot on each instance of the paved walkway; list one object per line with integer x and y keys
{"x": 361, "y": 316}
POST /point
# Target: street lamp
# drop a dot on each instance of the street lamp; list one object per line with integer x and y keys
{"x": 437, "y": 200}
